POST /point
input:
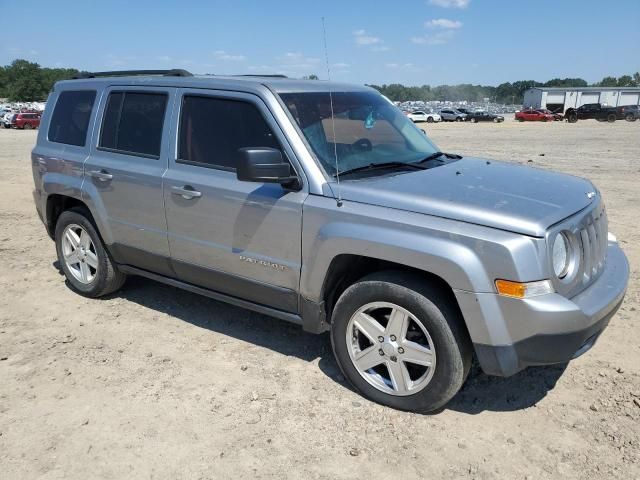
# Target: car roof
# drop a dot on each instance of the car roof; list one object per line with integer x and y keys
{"x": 276, "y": 84}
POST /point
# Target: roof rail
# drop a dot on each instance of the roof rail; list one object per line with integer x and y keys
{"x": 176, "y": 72}
{"x": 263, "y": 76}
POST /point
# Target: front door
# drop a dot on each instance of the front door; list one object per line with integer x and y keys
{"x": 239, "y": 238}
{"x": 124, "y": 174}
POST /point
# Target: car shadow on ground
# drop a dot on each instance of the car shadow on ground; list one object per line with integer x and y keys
{"x": 480, "y": 393}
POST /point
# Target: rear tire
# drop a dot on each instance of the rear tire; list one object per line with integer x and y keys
{"x": 572, "y": 118}
{"x": 425, "y": 312}
{"x": 91, "y": 272}
{"x": 473, "y": 120}
{"x": 27, "y": 126}
{"x": 611, "y": 118}
{"x": 629, "y": 117}
{"x": 429, "y": 119}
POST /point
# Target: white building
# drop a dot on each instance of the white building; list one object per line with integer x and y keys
{"x": 559, "y": 99}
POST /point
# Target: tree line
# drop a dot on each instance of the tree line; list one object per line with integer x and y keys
{"x": 27, "y": 81}
{"x": 505, "y": 93}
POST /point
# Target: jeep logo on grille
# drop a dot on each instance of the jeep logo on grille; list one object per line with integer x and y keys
{"x": 590, "y": 195}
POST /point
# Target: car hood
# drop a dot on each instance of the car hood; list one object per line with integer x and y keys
{"x": 496, "y": 194}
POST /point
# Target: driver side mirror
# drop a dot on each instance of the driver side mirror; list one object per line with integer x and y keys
{"x": 265, "y": 165}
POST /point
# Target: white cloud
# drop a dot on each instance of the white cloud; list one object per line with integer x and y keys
{"x": 296, "y": 61}
{"x": 443, "y": 23}
{"x": 363, "y": 38}
{"x": 450, "y": 3}
{"x": 222, "y": 55}
{"x": 439, "y": 38}
{"x": 400, "y": 65}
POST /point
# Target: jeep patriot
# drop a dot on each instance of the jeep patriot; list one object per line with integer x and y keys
{"x": 321, "y": 204}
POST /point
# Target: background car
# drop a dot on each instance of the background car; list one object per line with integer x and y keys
{"x": 5, "y": 120}
{"x": 534, "y": 116}
{"x": 452, "y": 115}
{"x": 557, "y": 116}
{"x": 420, "y": 116}
{"x": 24, "y": 121}
{"x": 631, "y": 112}
{"x": 483, "y": 116}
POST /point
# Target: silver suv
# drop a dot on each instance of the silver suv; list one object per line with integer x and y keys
{"x": 452, "y": 115}
{"x": 323, "y": 205}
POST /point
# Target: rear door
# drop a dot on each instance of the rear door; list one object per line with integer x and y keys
{"x": 239, "y": 238}
{"x": 124, "y": 174}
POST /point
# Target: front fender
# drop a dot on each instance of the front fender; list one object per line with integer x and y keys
{"x": 468, "y": 257}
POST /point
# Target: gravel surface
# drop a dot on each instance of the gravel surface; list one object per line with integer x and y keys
{"x": 154, "y": 382}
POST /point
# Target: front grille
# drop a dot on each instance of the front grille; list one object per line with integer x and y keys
{"x": 593, "y": 237}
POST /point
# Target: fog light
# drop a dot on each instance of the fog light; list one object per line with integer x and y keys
{"x": 523, "y": 290}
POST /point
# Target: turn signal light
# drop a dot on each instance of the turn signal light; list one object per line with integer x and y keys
{"x": 523, "y": 290}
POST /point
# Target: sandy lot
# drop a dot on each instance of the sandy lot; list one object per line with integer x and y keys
{"x": 158, "y": 383}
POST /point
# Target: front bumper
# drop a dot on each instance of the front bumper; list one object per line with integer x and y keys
{"x": 544, "y": 330}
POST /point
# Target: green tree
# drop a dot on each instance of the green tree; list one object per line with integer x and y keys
{"x": 25, "y": 81}
{"x": 626, "y": 81}
{"x": 608, "y": 82}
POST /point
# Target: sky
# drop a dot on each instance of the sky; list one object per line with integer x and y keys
{"x": 413, "y": 42}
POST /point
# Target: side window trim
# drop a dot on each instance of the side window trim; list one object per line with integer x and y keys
{"x": 124, "y": 90}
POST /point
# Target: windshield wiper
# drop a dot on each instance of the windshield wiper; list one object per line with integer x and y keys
{"x": 375, "y": 166}
{"x": 433, "y": 156}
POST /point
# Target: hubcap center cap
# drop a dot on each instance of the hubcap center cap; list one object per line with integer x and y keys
{"x": 388, "y": 348}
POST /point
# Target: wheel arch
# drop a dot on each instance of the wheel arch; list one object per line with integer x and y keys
{"x": 347, "y": 269}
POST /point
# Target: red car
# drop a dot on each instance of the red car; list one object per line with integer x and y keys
{"x": 25, "y": 120}
{"x": 534, "y": 116}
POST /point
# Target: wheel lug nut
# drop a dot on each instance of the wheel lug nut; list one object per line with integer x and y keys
{"x": 392, "y": 338}
{"x": 381, "y": 339}
{"x": 400, "y": 350}
{"x": 381, "y": 352}
{"x": 394, "y": 358}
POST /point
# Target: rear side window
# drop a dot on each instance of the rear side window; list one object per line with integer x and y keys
{"x": 133, "y": 122}
{"x": 212, "y": 130}
{"x": 70, "y": 119}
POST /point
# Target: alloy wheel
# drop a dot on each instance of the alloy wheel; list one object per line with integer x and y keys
{"x": 79, "y": 253}
{"x": 391, "y": 348}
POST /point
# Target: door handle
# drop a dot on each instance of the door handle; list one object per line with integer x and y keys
{"x": 101, "y": 175}
{"x": 187, "y": 192}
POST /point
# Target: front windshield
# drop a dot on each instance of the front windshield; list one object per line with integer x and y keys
{"x": 369, "y": 130}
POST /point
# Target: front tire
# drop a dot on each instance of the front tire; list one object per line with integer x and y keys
{"x": 429, "y": 119}
{"x": 401, "y": 342}
{"x": 83, "y": 257}
{"x": 629, "y": 117}
{"x": 611, "y": 118}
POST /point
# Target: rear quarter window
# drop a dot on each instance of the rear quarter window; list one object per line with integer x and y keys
{"x": 70, "y": 119}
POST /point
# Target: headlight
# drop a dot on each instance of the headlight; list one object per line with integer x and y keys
{"x": 560, "y": 255}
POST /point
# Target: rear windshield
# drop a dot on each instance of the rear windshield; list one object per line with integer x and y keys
{"x": 70, "y": 119}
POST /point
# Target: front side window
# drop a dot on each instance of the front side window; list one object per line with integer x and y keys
{"x": 368, "y": 129}
{"x": 133, "y": 122}
{"x": 212, "y": 130}
{"x": 70, "y": 119}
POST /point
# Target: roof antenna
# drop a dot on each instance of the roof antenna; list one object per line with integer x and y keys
{"x": 333, "y": 122}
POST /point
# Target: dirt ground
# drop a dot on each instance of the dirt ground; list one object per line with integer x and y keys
{"x": 154, "y": 382}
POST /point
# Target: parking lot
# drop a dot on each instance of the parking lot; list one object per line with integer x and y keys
{"x": 155, "y": 382}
